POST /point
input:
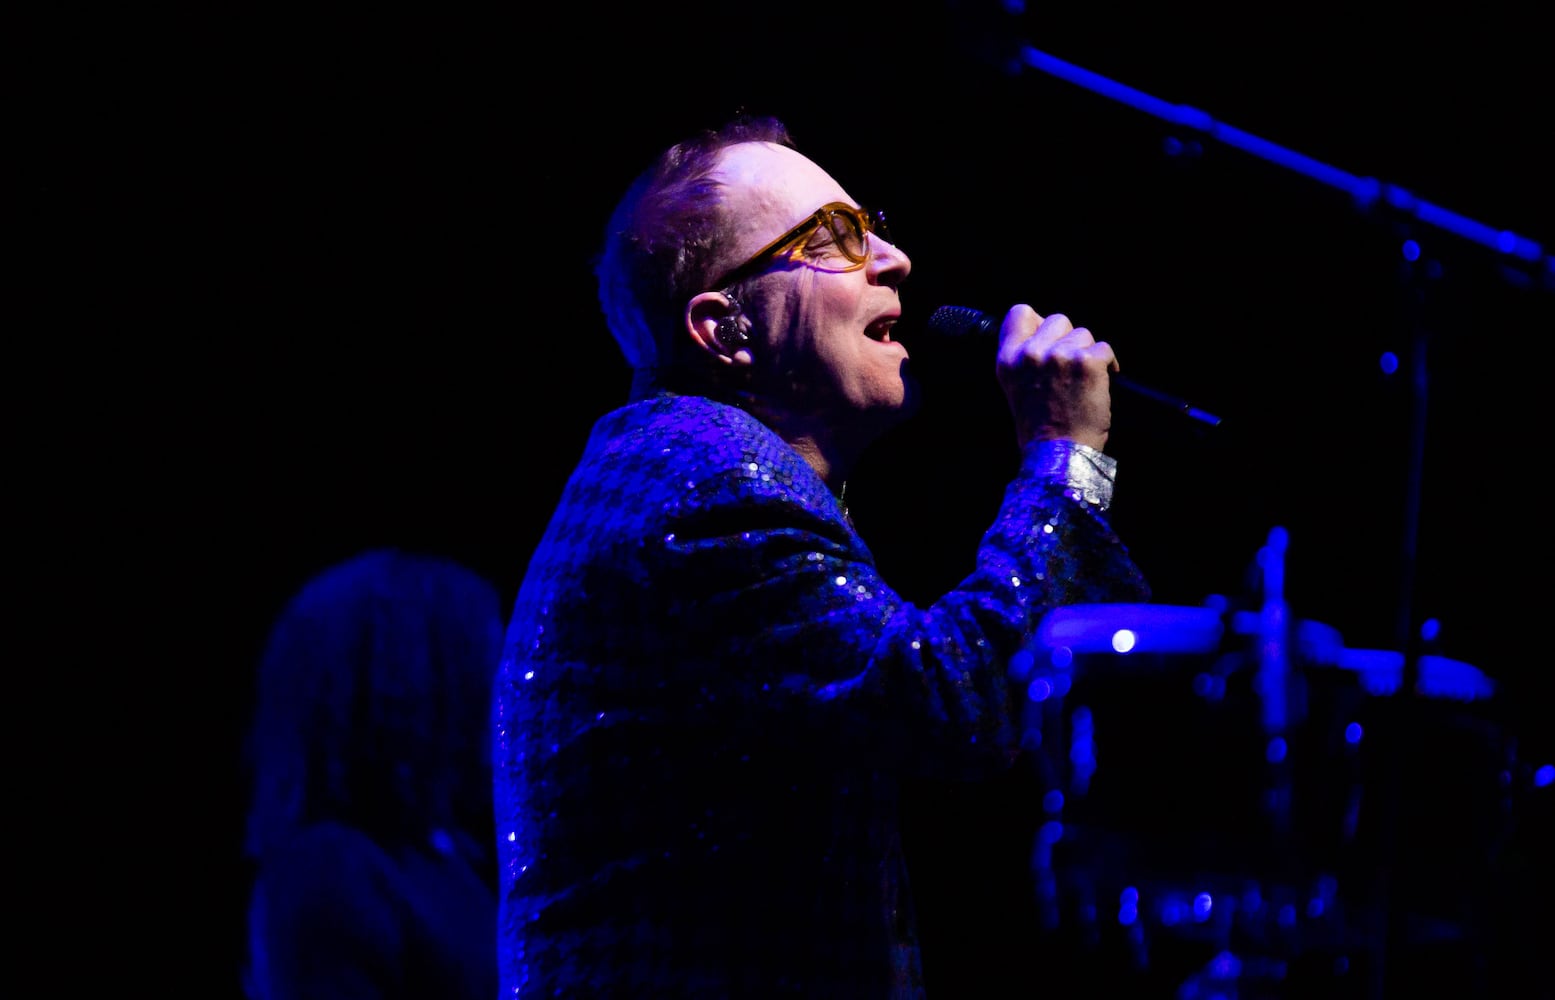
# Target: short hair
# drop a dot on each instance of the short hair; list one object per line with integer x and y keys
{"x": 661, "y": 238}
{"x": 373, "y": 703}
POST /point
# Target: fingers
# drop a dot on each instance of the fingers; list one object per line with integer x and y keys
{"x": 1030, "y": 337}
{"x": 1020, "y": 325}
{"x": 1087, "y": 352}
{"x": 1055, "y": 378}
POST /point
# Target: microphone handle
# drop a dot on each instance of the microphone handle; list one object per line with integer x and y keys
{"x": 1182, "y": 406}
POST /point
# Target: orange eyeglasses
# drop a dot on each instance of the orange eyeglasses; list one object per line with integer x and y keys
{"x": 847, "y": 228}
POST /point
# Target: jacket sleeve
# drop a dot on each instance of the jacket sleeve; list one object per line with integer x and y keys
{"x": 773, "y": 578}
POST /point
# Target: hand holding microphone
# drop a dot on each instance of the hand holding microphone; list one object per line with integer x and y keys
{"x": 1055, "y": 378}
{"x": 958, "y": 322}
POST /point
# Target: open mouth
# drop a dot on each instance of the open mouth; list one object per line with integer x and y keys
{"x": 880, "y": 330}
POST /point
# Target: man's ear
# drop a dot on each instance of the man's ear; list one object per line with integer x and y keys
{"x": 715, "y": 324}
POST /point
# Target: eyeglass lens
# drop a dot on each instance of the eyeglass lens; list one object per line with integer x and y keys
{"x": 849, "y": 229}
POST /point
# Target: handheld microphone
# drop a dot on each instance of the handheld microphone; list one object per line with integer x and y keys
{"x": 956, "y": 322}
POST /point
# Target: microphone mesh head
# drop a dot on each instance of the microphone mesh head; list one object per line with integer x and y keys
{"x": 959, "y": 321}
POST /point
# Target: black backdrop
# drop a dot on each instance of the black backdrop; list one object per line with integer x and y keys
{"x": 310, "y": 284}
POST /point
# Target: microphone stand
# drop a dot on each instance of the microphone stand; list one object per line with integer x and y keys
{"x": 1523, "y": 261}
{"x": 1400, "y": 729}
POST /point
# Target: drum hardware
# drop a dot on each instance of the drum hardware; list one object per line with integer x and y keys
{"x": 1207, "y": 781}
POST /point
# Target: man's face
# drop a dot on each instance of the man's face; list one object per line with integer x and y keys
{"x": 824, "y": 359}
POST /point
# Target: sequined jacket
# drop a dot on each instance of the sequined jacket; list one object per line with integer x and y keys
{"x": 709, "y": 698}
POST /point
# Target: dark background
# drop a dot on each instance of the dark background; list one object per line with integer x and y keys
{"x": 308, "y": 284}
